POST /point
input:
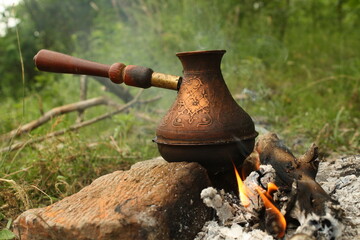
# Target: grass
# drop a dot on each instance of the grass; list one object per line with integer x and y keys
{"x": 40, "y": 174}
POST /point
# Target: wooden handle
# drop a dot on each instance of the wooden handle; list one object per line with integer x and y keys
{"x": 50, "y": 61}
{"x": 132, "y": 75}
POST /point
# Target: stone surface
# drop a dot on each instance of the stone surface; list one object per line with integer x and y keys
{"x": 152, "y": 200}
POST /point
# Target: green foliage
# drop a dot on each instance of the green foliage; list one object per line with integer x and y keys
{"x": 43, "y": 24}
{"x": 6, "y": 234}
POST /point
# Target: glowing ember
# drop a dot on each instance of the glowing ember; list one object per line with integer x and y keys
{"x": 277, "y": 220}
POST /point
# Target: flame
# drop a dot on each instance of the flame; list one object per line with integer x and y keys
{"x": 243, "y": 191}
{"x": 271, "y": 188}
{"x": 274, "y": 216}
{"x": 279, "y": 219}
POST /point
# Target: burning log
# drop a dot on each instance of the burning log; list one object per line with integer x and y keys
{"x": 296, "y": 207}
{"x": 289, "y": 169}
{"x": 318, "y": 214}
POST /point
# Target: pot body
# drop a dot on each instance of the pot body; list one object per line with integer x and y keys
{"x": 205, "y": 124}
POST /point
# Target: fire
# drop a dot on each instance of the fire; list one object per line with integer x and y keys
{"x": 271, "y": 188}
{"x": 243, "y": 191}
{"x": 278, "y": 220}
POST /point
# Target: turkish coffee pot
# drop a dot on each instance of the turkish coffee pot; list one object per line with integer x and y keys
{"x": 203, "y": 125}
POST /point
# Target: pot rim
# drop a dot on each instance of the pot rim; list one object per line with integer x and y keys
{"x": 200, "y": 52}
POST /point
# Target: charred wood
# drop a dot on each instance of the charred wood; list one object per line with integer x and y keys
{"x": 318, "y": 214}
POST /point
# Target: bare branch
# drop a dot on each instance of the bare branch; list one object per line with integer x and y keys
{"x": 116, "y": 89}
{"x": 78, "y": 106}
{"x": 78, "y": 125}
{"x": 83, "y": 96}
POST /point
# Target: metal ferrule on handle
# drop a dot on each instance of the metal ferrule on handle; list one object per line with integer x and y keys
{"x": 132, "y": 75}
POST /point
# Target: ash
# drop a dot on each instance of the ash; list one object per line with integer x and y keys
{"x": 213, "y": 231}
{"x": 235, "y": 222}
{"x": 324, "y": 227}
{"x": 339, "y": 178}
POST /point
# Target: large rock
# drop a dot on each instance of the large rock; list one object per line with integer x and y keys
{"x": 152, "y": 200}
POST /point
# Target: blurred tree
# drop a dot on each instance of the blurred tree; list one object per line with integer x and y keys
{"x": 145, "y": 31}
{"x": 60, "y": 25}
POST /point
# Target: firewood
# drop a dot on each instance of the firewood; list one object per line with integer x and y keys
{"x": 288, "y": 169}
{"x": 339, "y": 178}
{"x": 317, "y": 213}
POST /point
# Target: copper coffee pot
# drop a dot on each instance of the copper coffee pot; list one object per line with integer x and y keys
{"x": 204, "y": 124}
